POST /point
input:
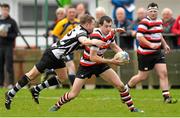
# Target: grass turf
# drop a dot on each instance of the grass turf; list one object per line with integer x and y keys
{"x": 90, "y": 103}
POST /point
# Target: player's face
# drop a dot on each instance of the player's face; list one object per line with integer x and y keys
{"x": 153, "y": 14}
{"x": 5, "y": 11}
{"x": 90, "y": 26}
{"x": 106, "y": 27}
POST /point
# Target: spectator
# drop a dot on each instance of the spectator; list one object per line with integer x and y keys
{"x": 60, "y": 14}
{"x": 81, "y": 10}
{"x": 8, "y": 33}
{"x": 176, "y": 30}
{"x": 141, "y": 13}
{"x": 100, "y": 11}
{"x": 168, "y": 22}
{"x": 127, "y": 5}
{"x": 126, "y": 42}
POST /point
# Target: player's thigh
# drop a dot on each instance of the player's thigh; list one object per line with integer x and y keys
{"x": 112, "y": 77}
{"x": 77, "y": 86}
{"x": 33, "y": 73}
{"x": 62, "y": 73}
{"x": 161, "y": 69}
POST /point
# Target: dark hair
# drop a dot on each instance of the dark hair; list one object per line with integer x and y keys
{"x": 71, "y": 6}
{"x": 4, "y": 5}
{"x": 105, "y": 18}
{"x": 86, "y": 19}
{"x": 152, "y": 5}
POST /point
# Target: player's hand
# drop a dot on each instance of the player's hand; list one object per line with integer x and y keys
{"x": 120, "y": 30}
{"x": 167, "y": 49}
{"x": 98, "y": 43}
{"x": 133, "y": 33}
{"x": 116, "y": 61}
{"x": 154, "y": 46}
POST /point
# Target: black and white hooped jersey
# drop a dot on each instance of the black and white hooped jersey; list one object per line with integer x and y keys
{"x": 69, "y": 42}
{"x": 97, "y": 34}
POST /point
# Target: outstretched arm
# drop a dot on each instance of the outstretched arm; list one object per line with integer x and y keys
{"x": 86, "y": 41}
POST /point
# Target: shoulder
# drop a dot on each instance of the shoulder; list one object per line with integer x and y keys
{"x": 96, "y": 34}
{"x": 144, "y": 21}
{"x": 80, "y": 31}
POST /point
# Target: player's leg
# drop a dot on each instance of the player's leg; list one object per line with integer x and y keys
{"x": 54, "y": 80}
{"x": 68, "y": 96}
{"x": 82, "y": 74}
{"x": 45, "y": 61}
{"x": 71, "y": 71}
{"x": 142, "y": 75}
{"x": 61, "y": 71}
{"x": 32, "y": 74}
{"x": 161, "y": 70}
{"x": 111, "y": 76}
{"x": 145, "y": 64}
{"x": 71, "y": 67}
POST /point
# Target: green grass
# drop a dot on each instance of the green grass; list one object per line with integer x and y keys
{"x": 91, "y": 103}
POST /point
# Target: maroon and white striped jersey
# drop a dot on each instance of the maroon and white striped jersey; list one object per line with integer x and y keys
{"x": 97, "y": 34}
{"x": 151, "y": 30}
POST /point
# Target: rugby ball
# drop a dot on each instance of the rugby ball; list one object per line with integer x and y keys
{"x": 123, "y": 56}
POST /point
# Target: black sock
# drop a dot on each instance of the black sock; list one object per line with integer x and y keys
{"x": 50, "y": 82}
{"x": 20, "y": 84}
{"x": 72, "y": 78}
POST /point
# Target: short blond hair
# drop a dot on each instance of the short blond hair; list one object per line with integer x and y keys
{"x": 60, "y": 9}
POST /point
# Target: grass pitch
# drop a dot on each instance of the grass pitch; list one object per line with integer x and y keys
{"x": 91, "y": 103}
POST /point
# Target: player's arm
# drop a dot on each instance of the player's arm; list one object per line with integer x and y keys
{"x": 95, "y": 58}
{"x": 144, "y": 41}
{"x": 119, "y": 30}
{"x": 115, "y": 47}
{"x": 86, "y": 41}
{"x": 165, "y": 45}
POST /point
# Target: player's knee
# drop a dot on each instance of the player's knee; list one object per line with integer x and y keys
{"x": 30, "y": 75}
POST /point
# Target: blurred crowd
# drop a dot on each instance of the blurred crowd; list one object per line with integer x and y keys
{"x": 122, "y": 15}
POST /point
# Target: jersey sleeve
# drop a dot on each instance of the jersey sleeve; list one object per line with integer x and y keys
{"x": 82, "y": 34}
